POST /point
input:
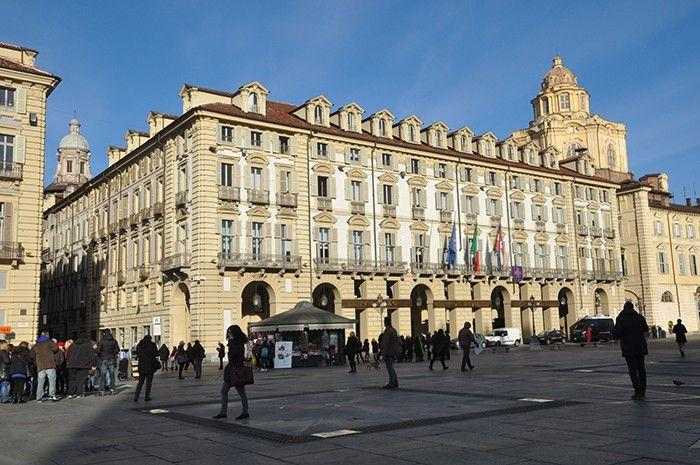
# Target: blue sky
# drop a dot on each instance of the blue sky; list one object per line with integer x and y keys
{"x": 466, "y": 63}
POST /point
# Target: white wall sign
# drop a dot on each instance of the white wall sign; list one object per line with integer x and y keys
{"x": 283, "y": 354}
{"x": 156, "y": 326}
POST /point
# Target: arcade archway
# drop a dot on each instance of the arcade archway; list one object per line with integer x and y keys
{"x": 257, "y": 302}
{"x": 326, "y": 297}
{"x": 180, "y": 314}
{"x": 500, "y": 303}
{"x": 421, "y": 302}
{"x": 566, "y": 309}
{"x": 601, "y": 302}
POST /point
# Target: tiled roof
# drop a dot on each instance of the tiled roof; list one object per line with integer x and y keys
{"x": 13, "y": 65}
{"x": 20, "y": 48}
{"x": 675, "y": 207}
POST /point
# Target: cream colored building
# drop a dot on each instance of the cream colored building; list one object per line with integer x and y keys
{"x": 240, "y": 206}
{"x": 72, "y": 167}
{"x": 24, "y": 89}
{"x": 661, "y": 252}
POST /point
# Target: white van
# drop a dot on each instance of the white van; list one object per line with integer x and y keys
{"x": 505, "y": 337}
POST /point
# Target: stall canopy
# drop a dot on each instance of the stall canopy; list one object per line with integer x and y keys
{"x": 303, "y": 315}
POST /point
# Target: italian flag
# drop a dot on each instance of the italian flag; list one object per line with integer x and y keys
{"x": 474, "y": 251}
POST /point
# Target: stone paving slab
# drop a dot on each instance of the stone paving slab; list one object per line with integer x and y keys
{"x": 441, "y": 417}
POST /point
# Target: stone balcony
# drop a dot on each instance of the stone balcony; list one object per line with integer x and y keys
{"x": 470, "y": 218}
{"x": 518, "y": 223}
{"x": 357, "y": 208}
{"x": 181, "y": 198}
{"x": 389, "y": 211}
{"x": 260, "y": 261}
{"x": 124, "y": 224}
{"x": 287, "y": 199}
{"x": 446, "y": 216}
{"x": 258, "y": 196}
{"x": 11, "y": 171}
{"x": 175, "y": 262}
{"x": 418, "y": 213}
{"x": 134, "y": 219}
{"x": 596, "y": 231}
{"x": 11, "y": 251}
{"x": 609, "y": 233}
{"x": 157, "y": 209}
{"x": 561, "y": 228}
{"x": 582, "y": 230}
{"x": 230, "y": 193}
{"x": 121, "y": 277}
{"x": 144, "y": 272}
{"x": 540, "y": 226}
{"x": 334, "y": 265}
{"x": 324, "y": 203}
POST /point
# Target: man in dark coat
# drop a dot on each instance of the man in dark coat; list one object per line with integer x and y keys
{"x": 466, "y": 338}
{"x": 352, "y": 348}
{"x": 45, "y": 362}
{"x": 680, "y": 330}
{"x": 198, "y": 355}
{"x": 80, "y": 359}
{"x": 441, "y": 344}
{"x": 147, "y": 353}
{"x": 630, "y": 329}
{"x": 164, "y": 353}
{"x": 108, "y": 355}
{"x": 389, "y": 348}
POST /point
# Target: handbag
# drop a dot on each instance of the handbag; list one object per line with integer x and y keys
{"x": 240, "y": 376}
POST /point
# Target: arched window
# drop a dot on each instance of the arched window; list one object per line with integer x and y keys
{"x": 510, "y": 152}
{"x": 382, "y": 127}
{"x": 465, "y": 145}
{"x": 351, "y": 121}
{"x": 411, "y": 133}
{"x": 612, "y": 159}
{"x": 667, "y": 297}
{"x": 253, "y": 102}
{"x": 318, "y": 114}
{"x": 582, "y": 102}
{"x": 545, "y": 105}
{"x": 564, "y": 102}
{"x": 488, "y": 149}
{"x": 573, "y": 147}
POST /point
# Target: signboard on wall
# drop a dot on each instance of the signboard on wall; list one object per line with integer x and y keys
{"x": 156, "y": 326}
{"x": 283, "y": 354}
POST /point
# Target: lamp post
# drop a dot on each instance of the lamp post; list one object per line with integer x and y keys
{"x": 380, "y": 304}
{"x": 532, "y": 309}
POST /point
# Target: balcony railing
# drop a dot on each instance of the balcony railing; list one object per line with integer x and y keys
{"x": 135, "y": 219}
{"x": 181, "y": 198}
{"x": 260, "y": 261}
{"x": 175, "y": 262}
{"x": 357, "y": 208}
{"x": 258, "y": 196}
{"x": 418, "y": 213}
{"x": 389, "y": 211}
{"x": 124, "y": 224}
{"x": 121, "y": 277}
{"x": 11, "y": 251}
{"x": 470, "y": 218}
{"x": 324, "y": 203}
{"x": 518, "y": 223}
{"x": 540, "y": 226}
{"x": 287, "y": 199}
{"x": 596, "y": 231}
{"x": 144, "y": 272}
{"x": 158, "y": 209}
{"x": 609, "y": 233}
{"x": 561, "y": 228}
{"x": 582, "y": 230}
{"x": 230, "y": 193}
{"x": 446, "y": 216}
{"x": 13, "y": 171}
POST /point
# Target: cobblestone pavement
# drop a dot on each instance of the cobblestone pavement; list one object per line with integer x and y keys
{"x": 523, "y": 407}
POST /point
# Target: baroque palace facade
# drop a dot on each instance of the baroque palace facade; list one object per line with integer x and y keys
{"x": 24, "y": 89}
{"x": 241, "y": 206}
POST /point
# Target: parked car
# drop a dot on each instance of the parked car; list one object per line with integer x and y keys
{"x": 505, "y": 337}
{"x": 551, "y": 337}
{"x": 601, "y": 325}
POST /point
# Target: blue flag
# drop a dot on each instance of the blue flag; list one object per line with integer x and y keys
{"x": 452, "y": 248}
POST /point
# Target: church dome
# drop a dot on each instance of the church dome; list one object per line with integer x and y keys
{"x": 558, "y": 75}
{"x": 74, "y": 140}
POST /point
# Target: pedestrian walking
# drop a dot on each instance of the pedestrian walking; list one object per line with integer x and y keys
{"x": 173, "y": 358}
{"x": 108, "y": 355}
{"x": 466, "y": 338}
{"x": 365, "y": 350}
{"x": 389, "y": 348}
{"x": 164, "y": 354}
{"x": 236, "y": 374}
{"x": 630, "y": 329}
{"x": 181, "y": 359}
{"x": 198, "y": 354}
{"x": 681, "y": 339}
{"x": 221, "y": 352}
{"x": 147, "y": 354}
{"x": 352, "y": 348}
{"x": 43, "y": 354}
{"x": 188, "y": 352}
{"x": 440, "y": 346}
{"x": 80, "y": 359}
{"x": 375, "y": 350}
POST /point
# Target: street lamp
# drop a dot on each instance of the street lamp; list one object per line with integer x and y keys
{"x": 380, "y": 304}
{"x": 532, "y": 309}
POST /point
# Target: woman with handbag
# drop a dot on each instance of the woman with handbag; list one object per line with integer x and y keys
{"x": 237, "y": 374}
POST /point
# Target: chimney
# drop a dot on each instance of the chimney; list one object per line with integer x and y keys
{"x": 688, "y": 202}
